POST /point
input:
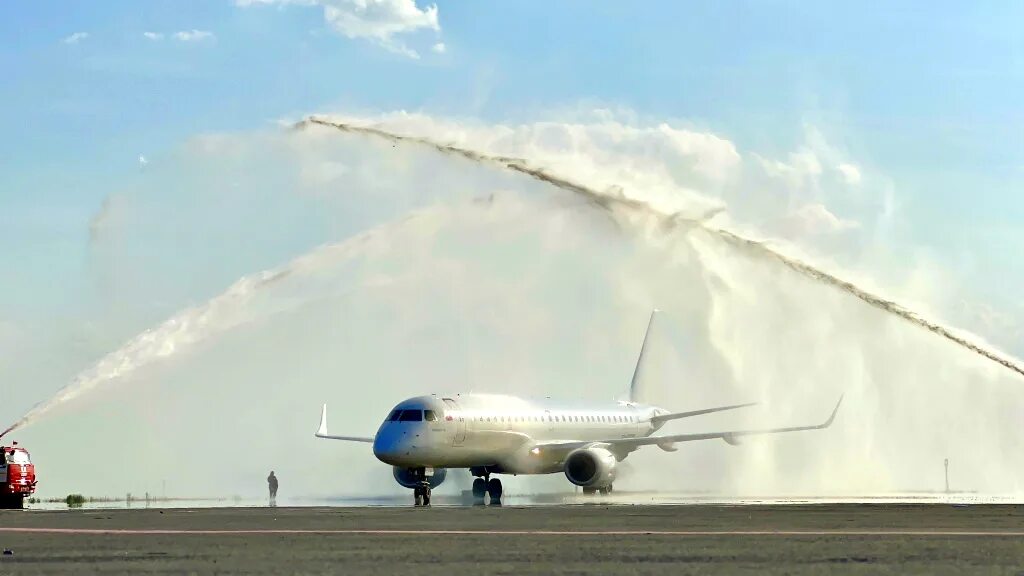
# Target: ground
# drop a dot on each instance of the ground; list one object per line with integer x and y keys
{"x": 583, "y": 539}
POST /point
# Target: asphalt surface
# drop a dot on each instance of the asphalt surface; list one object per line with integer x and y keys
{"x": 585, "y": 539}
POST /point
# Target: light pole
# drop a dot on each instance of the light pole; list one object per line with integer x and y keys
{"x": 946, "y": 462}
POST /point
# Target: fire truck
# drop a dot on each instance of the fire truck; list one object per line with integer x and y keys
{"x": 17, "y": 476}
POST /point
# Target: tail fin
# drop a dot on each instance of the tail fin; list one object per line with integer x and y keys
{"x": 636, "y": 387}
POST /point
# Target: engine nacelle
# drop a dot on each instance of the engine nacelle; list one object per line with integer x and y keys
{"x": 408, "y": 480}
{"x": 591, "y": 467}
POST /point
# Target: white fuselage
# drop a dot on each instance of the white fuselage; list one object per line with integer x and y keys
{"x": 495, "y": 431}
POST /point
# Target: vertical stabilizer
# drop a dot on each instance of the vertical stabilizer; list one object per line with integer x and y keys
{"x": 636, "y": 386}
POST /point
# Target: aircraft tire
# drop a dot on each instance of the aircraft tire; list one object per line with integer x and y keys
{"x": 494, "y": 490}
{"x": 479, "y": 490}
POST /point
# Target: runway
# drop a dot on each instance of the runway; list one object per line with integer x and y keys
{"x": 878, "y": 533}
{"x": 582, "y": 539}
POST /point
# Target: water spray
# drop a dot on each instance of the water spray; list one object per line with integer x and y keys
{"x": 218, "y": 315}
{"x": 609, "y": 202}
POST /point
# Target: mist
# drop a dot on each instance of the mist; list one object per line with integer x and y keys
{"x": 250, "y": 277}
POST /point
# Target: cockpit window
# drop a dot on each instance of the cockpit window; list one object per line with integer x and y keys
{"x": 394, "y": 416}
{"x": 429, "y": 416}
{"x": 411, "y": 416}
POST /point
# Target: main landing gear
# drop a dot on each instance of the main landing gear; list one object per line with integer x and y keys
{"x": 487, "y": 487}
{"x": 604, "y": 491}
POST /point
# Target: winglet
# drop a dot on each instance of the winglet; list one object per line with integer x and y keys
{"x": 322, "y": 430}
{"x": 834, "y": 412}
{"x": 635, "y": 390}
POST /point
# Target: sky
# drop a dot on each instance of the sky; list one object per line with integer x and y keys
{"x": 891, "y": 134}
{"x": 925, "y": 93}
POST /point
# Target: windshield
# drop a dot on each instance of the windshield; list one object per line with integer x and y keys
{"x": 18, "y": 457}
{"x": 411, "y": 416}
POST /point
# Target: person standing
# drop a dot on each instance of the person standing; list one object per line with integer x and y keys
{"x": 272, "y": 484}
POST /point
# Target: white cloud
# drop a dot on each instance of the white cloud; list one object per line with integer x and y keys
{"x": 797, "y": 197}
{"x": 379, "y": 21}
{"x": 815, "y": 219}
{"x": 439, "y": 48}
{"x": 193, "y": 35}
{"x": 75, "y": 38}
{"x": 153, "y": 35}
{"x": 142, "y": 160}
{"x": 803, "y": 168}
{"x": 850, "y": 173}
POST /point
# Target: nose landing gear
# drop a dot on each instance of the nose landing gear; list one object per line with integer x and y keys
{"x": 421, "y": 494}
{"x": 421, "y": 487}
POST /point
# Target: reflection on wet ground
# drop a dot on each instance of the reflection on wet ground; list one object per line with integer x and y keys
{"x": 550, "y": 499}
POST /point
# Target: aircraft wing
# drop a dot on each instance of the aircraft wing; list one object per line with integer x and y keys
{"x": 678, "y": 415}
{"x": 732, "y": 436}
{"x": 627, "y": 445}
{"x": 321, "y": 432}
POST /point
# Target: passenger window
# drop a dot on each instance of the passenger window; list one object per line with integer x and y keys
{"x": 429, "y": 416}
{"x": 411, "y": 416}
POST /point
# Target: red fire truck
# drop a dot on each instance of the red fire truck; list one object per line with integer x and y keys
{"x": 17, "y": 476}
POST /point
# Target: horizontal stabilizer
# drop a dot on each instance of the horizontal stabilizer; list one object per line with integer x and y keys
{"x": 321, "y": 432}
{"x": 677, "y": 415}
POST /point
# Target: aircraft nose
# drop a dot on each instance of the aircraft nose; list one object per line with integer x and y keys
{"x": 392, "y": 446}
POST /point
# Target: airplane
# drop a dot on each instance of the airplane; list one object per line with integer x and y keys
{"x": 491, "y": 434}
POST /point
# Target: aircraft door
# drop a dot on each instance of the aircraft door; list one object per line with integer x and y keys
{"x": 549, "y": 420}
{"x": 454, "y": 416}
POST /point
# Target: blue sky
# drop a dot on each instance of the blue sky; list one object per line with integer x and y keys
{"x": 926, "y": 93}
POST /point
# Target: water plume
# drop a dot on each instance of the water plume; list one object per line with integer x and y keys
{"x": 235, "y": 307}
{"x": 609, "y": 202}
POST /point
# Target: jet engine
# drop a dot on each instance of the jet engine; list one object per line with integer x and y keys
{"x": 407, "y": 479}
{"x": 590, "y": 467}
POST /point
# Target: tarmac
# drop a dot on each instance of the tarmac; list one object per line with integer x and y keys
{"x": 581, "y": 539}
